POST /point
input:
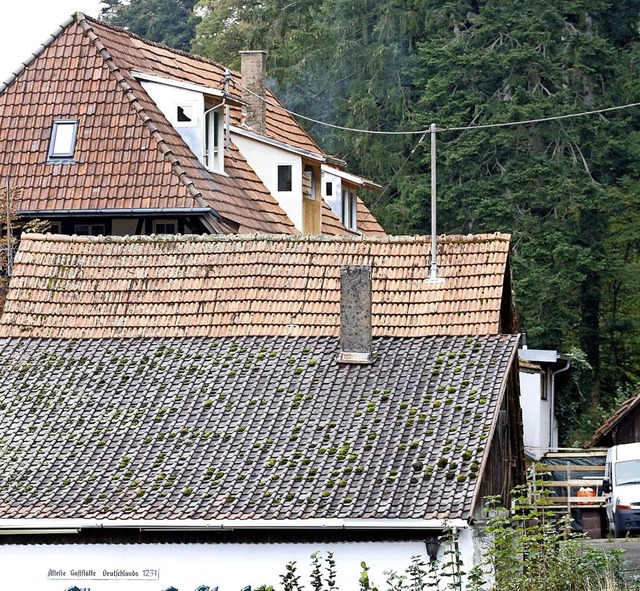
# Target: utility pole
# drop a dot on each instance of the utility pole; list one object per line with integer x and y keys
{"x": 433, "y": 275}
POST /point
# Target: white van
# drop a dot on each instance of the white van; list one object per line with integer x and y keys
{"x": 622, "y": 483}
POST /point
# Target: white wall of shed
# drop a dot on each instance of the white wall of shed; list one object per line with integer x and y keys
{"x": 539, "y": 422}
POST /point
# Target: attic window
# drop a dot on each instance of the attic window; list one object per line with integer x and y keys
{"x": 214, "y": 139}
{"x": 63, "y": 139}
{"x": 349, "y": 205}
{"x": 328, "y": 189}
{"x": 165, "y": 226}
{"x": 184, "y": 115}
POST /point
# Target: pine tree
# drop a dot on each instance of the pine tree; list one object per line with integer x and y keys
{"x": 172, "y": 22}
{"x": 554, "y": 185}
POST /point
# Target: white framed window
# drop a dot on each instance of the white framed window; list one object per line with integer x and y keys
{"x": 89, "y": 229}
{"x": 349, "y": 205}
{"x": 165, "y": 226}
{"x": 62, "y": 144}
{"x": 214, "y": 139}
{"x": 285, "y": 178}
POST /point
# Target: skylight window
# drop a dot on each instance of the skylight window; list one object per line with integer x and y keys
{"x": 62, "y": 145}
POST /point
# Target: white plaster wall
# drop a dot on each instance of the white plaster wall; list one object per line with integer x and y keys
{"x": 535, "y": 414}
{"x": 264, "y": 160}
{"x": 334, "y": 201}
{"x": 186, "y": 567}
{"x": 168, "y": 98}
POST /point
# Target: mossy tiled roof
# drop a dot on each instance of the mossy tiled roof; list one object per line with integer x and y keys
{"x": 246, "y": 427}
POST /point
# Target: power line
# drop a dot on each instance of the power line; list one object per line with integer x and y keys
{"x": 443, "y": 129}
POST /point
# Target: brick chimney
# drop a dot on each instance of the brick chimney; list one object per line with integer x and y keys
{"x": 254, "y": 76}
{"x": 355, "y": 315}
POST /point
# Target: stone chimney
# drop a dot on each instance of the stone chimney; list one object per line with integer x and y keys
{"x": 355, "y": 315}
{"x": 254, "y": 77}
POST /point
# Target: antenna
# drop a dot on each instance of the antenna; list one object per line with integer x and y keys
{"x": 433, "y": 275}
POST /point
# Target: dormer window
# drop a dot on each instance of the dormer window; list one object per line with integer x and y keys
{"x": 349, "y": 205}
{"x": 62, "y": 145}
{"x": 214, "y": 139}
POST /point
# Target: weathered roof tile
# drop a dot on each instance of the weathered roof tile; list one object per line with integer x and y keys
{"x": 261, "y": 285}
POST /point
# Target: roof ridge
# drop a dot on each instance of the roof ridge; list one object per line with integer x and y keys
{"x": 387, "y": 239}
{"x": 25, "y": 64}
{"x": 86, "y": 24}
{"x": 157, "y": 44}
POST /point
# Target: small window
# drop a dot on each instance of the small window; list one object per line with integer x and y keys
{"x": 328, "y": 189}
{"x": 184, "y": 115}
{"x": 285, "y": 176}
{"x": 89, "y": 229}
{"x": 165, "y": 226}
{"x": 63, "y": 139}
{"x": 544, "y": 387}
{"x": 55, "y": 228}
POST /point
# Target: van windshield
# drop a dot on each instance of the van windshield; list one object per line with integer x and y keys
{"x": 628, "y": 472}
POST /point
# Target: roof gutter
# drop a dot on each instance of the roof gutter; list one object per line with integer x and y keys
{"x": 119, "y": 211}
{"x": 24, "y": 526}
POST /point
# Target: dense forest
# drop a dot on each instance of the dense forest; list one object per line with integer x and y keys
{"x": 566, "y": 188}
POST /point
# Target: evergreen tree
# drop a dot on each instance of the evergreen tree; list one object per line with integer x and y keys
{"x": 172, "y": 22}
{"x": 555, "y": 185}
{"x": 338, "y": 61}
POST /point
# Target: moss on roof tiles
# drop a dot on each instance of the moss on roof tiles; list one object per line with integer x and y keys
{"x": 357, "y": 433}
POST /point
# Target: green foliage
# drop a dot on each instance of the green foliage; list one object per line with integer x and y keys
{"x": 291, "y": 580}
{"x": 529, "y": 548}
{"x": 526, "y": 549}
{"x": 556, "y": 186}
{"x": 171, "y": 22}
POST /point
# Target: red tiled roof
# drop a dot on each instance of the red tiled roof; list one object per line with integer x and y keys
{"x": 72, "y": 287}
{"x": 128, "y": 156}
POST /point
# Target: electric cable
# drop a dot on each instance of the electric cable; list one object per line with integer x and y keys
{"x": 441, "y": 129}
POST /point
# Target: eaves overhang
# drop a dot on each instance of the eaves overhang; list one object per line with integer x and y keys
{"x": 278, "y": 144}
{"x": 13, "y": 526}
{"x": 352, "y": 178}
{"x": 207, "y": 90}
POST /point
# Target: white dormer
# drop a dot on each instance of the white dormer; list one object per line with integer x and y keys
{"x": 196, "y": 113}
